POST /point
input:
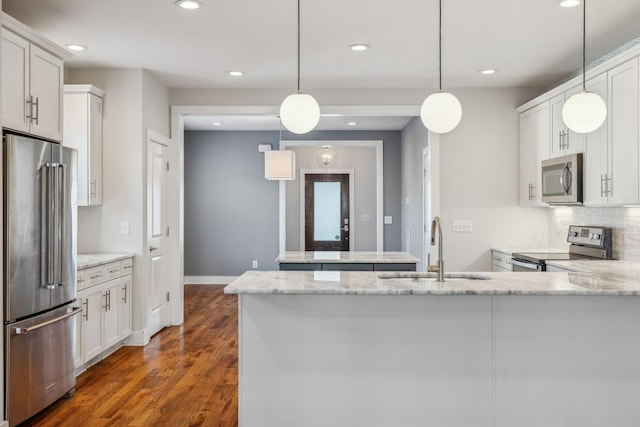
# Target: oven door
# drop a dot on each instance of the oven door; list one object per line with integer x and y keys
{"x": 522, "y": 265}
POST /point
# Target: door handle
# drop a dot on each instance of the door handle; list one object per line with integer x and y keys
{"x": 25, "y": 331}
{"x": 152, "y": 248}
{"x": 345, "y": 228}
{"x": 565, "y": 182}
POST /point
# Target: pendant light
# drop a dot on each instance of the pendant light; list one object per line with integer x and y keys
{"x": 299, "y": 112}
{"x": 441, "y": 111}
{"x": 280, "y": 164}
{"x": 585, "y": 111}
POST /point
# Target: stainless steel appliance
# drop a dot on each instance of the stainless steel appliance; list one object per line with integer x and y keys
{"x": 586, "y": 243}
{"x": 39, "y": 274}
{"x": 562, "y": 180}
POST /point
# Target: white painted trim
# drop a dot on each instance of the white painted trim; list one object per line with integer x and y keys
{"x": 352, "y": 227}
{"x": 209, "y": 280}
{"x": 4, "y": 424}
{"x": 379, "y": 146}
{"x": 138, "y": 338}
{"x": 434, "y": 143}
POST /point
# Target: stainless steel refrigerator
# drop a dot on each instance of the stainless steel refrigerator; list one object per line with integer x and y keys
{"x": 39, "y": 274}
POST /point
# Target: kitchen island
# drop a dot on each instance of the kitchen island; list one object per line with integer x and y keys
{"x": 381, "y": 349}
{"x": 347, "y": 261}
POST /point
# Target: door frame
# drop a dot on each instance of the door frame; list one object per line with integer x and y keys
{"x": 430, "y": 191}
{"x": 352, "y": 228}
{"x": 379, "y": 146}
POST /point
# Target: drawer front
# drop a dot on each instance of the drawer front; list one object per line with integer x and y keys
{"x": 501, "y": 261}
{"x": 112, "y": 270}
{"x": 80, "y": 281}
{"x": 94, "y": 276}
{"x": 127, "y": 266}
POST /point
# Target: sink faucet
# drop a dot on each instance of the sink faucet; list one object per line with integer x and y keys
{"x": 439, "y": 268}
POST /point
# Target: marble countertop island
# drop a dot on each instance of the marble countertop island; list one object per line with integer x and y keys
{"x": 346, "y": 257}
{"x": 594, "y": 278}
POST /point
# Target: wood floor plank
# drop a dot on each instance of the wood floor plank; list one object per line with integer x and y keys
{"x": 186, "y": 376}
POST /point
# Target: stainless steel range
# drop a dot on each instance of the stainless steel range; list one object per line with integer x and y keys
{"x": 586, "y": 243}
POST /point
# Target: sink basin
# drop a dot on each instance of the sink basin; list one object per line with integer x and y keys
{"x": 432, "y": 276}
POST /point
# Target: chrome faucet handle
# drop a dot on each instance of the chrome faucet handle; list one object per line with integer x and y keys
{"x": 432, "y": 269}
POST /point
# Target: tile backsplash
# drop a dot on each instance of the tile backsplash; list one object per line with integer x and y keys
{"x": 625, "y": 223}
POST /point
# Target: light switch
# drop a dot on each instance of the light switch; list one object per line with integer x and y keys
{"x": 462, "y": 226}
{"x": 388, "y": 219}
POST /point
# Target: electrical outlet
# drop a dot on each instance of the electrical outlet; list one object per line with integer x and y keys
{"x": 124, "y": 228}
{"x": 254, "y": 263}
{"x": 462, "y": 226}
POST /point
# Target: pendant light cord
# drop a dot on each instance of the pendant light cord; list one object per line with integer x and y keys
{"x": 298, "y": 45}
{"x": 584, "y": 45}
{"x": 439, "y": 45}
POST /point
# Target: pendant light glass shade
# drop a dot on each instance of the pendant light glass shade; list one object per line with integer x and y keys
{"x": 584, "y": 112}
{"x": 280, "y": 165}
{"x": 441, "y": 112}
{"x": 300, "y": 113}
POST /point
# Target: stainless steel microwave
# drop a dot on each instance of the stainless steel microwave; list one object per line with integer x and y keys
{"x": 562, "y": 180}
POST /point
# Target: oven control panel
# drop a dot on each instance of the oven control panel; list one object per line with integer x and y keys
{"x": 598, "y": 237}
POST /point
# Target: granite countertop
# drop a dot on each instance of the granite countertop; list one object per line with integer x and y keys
{"x": 596, "y": 278}
{"x": 346, "y": 257}
{"x": 93, "y": 260}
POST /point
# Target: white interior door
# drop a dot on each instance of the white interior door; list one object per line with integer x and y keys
{"x": 157, "y": 169}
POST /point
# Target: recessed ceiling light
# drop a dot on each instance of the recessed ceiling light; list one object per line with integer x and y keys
{"x": 235, "y": 73}
{"x": 217, "y": 124}
{"x": 569, "y": 3}
{"x": 189, "y": 4}
{"x": 352, "y": 123}
{"x": 76, "y": 47}
{"x": 359, "y": 47}
{"x": 488, "y": 71}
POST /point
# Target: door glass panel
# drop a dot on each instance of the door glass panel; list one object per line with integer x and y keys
{"x": 326, "y": 211}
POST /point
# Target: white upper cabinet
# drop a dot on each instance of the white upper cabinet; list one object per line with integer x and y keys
{"x": 611, "y": 165}
{"x": 563, "y": 140}
{"x": 83, "y": 131}
{"x": 32, "y": 79}
{"x": 534, "y": 147}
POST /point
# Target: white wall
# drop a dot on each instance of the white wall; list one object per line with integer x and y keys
{"x": 479, "y": 173}
{"x": 134, "y": 100}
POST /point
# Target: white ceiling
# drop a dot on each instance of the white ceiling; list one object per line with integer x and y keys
{"x": 532, "y": 43}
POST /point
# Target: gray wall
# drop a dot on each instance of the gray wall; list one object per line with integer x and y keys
{"x": 231, "y": 211}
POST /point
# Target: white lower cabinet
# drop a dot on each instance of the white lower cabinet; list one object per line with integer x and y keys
{"x": 106, "y": 311}
{"x": 501, "y": 261}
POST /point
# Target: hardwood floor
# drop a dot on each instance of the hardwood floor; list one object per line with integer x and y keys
{"x": 186, "y": 376}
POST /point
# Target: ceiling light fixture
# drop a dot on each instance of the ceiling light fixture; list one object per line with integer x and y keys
{"x": 280, "y": 164}
{"x": 217, "y": 124}
{"x": 235, "y": 73}
{"x": 189, "y": 4}
{"x": 299, "y": 112}
{"x": 352, "y": 123}
{"x": 441, "y": 111}
{"x": 569, "y": 3}
{"x": 585, "y": 111}
{"x": 76, "y": 47}
{"x": 488, "y": 71}
{"x": 359, "y": 47}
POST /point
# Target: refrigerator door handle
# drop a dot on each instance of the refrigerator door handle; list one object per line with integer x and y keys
{"x": 61, "y": 173}
{"x": 53, "y": 224}
{"x": 25, "y": 331}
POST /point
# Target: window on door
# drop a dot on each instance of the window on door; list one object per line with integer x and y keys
{"x": 327, "y": 212}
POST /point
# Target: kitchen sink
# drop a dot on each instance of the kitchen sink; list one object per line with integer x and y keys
{"x": 431, "y": 276}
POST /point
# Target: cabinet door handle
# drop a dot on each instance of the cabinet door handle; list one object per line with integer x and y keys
{"x": 37, "y": 105}
{"x": 29, "y": 109}
{"x": 106, "y": 305}
{"x": 93, "y": 188}
{"x": 124, "y": 290}
{"x": 85, "y": 308}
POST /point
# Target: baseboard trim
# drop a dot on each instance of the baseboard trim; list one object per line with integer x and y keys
{"x": 138, "y": 338}
{"x": 4, "y": 423}
{"x": 209, "y": 280}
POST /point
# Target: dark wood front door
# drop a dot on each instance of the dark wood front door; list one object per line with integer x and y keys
{"x": 326, "y": 212}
